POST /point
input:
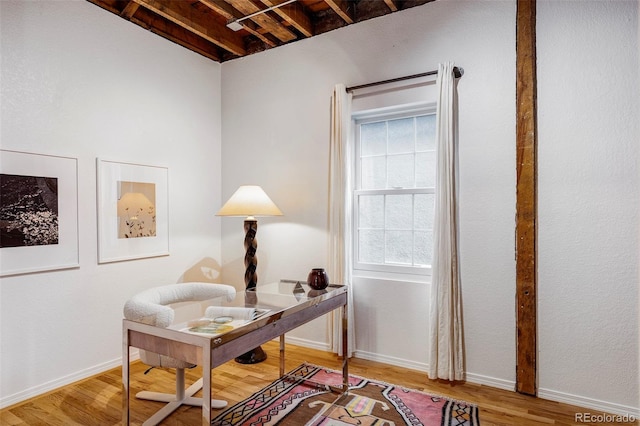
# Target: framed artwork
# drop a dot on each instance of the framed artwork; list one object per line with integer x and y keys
{"x": 133, "y": 211}
{"x": 38, "y": 213}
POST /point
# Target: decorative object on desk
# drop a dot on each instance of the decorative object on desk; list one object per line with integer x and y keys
{"x": 298, "y": 291}
{"x": 302, "y": 397}
{"x": 133, "y": 211}
{"x": 318, "y": 279}
{"x": 38, "y": 213}
{"x": 250, "y": 201}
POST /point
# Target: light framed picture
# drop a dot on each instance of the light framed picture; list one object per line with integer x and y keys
{"x": 133, "y": 211}
{"x": 38, "y": 213}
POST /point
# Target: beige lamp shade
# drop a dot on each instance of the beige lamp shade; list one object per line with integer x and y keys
{"x": 249, "y": 200}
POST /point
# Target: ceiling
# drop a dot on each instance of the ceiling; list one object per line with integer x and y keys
{"x": 201, "y": 25}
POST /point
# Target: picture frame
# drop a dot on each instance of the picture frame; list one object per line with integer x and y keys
{"x": 133, "y": 211}
{"x": 38, "y": 213}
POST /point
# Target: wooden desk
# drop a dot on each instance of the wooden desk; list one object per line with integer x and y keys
{"x": 289, "y": 303}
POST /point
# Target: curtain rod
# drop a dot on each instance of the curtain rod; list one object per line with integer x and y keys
{"x": 457, "y": 73}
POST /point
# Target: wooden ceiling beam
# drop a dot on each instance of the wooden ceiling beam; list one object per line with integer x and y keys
{"x": 175, "y": 33}
{"x": 294, "y": 15}
{"x": 264, "y": 20}
{"x": 197, "y": 23}
{"x": 225, "y": 9}
{"x": 344, "y": 9}
{"x": 392, "y": 5}
{"x": 129, "y": 10}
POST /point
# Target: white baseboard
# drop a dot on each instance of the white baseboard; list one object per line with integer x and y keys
{"x": 65, "y": 380}
{"x": 399, "y": 362}
{"x": 599, "y": 406}
{"x": 491, "y": 382}
{"x": 321, "y": 346}
{"x": 57, "y": 383}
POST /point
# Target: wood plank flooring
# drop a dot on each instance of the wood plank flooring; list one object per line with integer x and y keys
{"x": 97, "y": 400}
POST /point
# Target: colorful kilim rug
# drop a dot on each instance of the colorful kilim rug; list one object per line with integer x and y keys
{"x": 302, "y": 398}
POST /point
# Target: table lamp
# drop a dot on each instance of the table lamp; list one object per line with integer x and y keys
{"x": 250, "y": 201}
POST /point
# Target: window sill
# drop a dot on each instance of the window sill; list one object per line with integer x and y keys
{"x": 392, "y": 276}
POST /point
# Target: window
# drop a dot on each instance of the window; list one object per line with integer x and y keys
{"x": 394, "y": 191}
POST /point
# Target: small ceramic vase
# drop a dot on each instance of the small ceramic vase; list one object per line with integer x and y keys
{"x": 318, "y": 279}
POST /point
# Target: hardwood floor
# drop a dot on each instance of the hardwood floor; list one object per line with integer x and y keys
{"x": 97, "y": 400}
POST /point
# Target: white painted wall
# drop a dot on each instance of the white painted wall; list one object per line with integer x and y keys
{"x": 289, "y": 157}
{"x": 589, "y": 136}
{"x": 589, "y": 139}
{"x": 77, "y": 81}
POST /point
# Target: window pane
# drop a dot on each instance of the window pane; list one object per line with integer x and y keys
{"x": 423, "y": 248}
{"x": 401, "y": 136}
{"x": 426, "y": 170}
{"x": 371, "y": 246}
{"x": 401, "y": 171}
{"x": 396, "y": 159}
{"x": 373, "y": 139}
{"x": 426, "y": 132}
{"x": 371, "y": 211}
{"x": 373, "y": 173}
{"x": 399, "y": 212}
{"x": 399, "y": 246}
{"x": 423, "y": 210}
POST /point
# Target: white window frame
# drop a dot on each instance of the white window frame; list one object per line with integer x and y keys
{"x": 386, "y": 271}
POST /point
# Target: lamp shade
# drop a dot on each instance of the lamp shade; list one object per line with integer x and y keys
{"x": 249, "y": 200}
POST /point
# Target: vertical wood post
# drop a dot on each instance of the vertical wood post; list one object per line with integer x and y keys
{"x": 526, "y": 198}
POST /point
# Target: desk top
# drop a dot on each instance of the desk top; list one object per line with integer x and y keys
{"x": 225, "y": 318}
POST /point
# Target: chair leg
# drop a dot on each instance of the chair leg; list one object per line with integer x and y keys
{"x": 181, "y": 397}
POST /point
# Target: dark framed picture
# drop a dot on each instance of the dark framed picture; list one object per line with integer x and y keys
{"x": 38, "y": 212}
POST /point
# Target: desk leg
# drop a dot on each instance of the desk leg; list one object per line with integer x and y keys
{"x": 345, "y": 350}
{"x": 125, "y": 376}
{"x": 206, "y": 385}
{"x": 282, "y": 355}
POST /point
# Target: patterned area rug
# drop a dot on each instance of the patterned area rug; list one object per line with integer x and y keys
{"x": 302, "y": 398}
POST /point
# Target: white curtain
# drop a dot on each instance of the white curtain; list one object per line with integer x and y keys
{"x": 339, "y": 257}
{"x": 445, "y": 337}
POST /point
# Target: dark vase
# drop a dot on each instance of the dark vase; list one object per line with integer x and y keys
{"x": 318, "y": 279}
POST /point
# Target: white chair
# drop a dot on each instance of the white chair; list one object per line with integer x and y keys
{"x": 149, "y": 307}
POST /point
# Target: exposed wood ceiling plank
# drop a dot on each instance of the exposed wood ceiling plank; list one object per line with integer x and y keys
{"x": 344, "y": 9}
{"x": 197, "y": 23}
{"x": 129, "y": 10}
{"x": 201, "y": 25}
{"x": 226, "y": 10}
{"x": 294, "y": 15}
{"x": 392, "y": 5}
{"x": 264, "y": 20}
{"x": 175, "y": 33}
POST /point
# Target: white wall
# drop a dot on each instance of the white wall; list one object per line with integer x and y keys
{"x": 276, "y": 132}
{"x": 79, "y": 82}
{"x": 589, "y": 138}
{"x": 276, "y": 118}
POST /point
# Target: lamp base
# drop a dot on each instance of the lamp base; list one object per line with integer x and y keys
{"x": 254, "y": 356}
